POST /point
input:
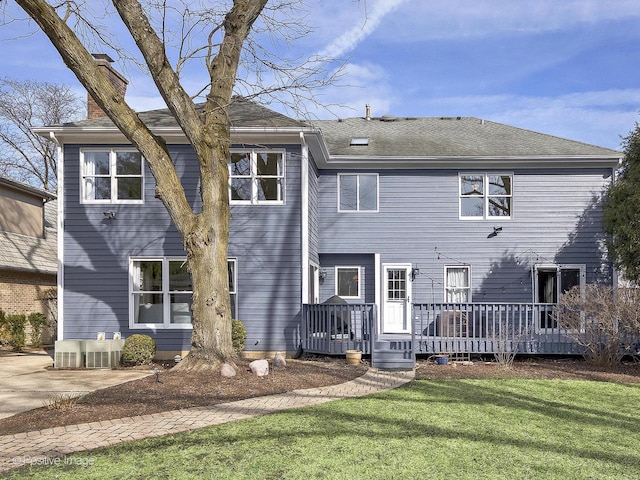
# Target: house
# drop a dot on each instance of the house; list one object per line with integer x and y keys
{"x": 435, "y": 233}
{"x": 28, "y": 250}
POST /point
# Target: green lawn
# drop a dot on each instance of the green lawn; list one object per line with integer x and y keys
{"x": 511, "y": 429}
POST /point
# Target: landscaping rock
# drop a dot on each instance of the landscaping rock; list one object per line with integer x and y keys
{"x": 227, "y": 371}
{"x": 260, "y": 368}
{"x": 279, "y": 361}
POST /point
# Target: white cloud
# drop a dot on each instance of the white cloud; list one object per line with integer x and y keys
{"x": 446, "y": 19}
{"x": 375, "y": 12}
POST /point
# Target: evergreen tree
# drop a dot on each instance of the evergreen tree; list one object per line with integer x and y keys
{"x": 622, "y": 210}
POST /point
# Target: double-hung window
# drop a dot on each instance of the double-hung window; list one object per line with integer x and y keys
{"x": 112, "y": 176}
{"x": 161, "y": 293}
{"x": 457, "y": 284}
{"x": 485, "y": 195}
{"x": 256, "y": 177}
{"x": 357, "y": 192}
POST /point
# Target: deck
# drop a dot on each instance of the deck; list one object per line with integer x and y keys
{"x": 466, "y": 329}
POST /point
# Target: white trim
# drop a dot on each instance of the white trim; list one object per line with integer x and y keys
{"x": 60, "y": 240}
{"x": 378, "y": 290}
{"x": 304, "y": 218}
{"x": 407, "y": 301}
{"x": 485, "y": 196}
{"x": 335, "y": 286}
{"x": 469, "y": 280}
{"x": 114, "y": 200}
{"x": 358, "y": 175}
{"x": 254, "y": 177}
{"x": 166, "y": 305}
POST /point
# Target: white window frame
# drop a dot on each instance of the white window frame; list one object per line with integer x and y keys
{"x": 448, "y": 288}
{"x": 165, "y": 292}
{"x": 233, "y": 284}
{"x": 255, "y": 178}
{"x": 485, "y": 194}
{"x": 344, "y": 267}
{"x": 358, "y": 176}
{"x": 558, "y": 268}
{"x": 112, "y": 176}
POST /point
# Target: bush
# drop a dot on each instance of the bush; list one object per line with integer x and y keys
{"x": 605, "y": 322}
{"x": 16, "y": 326}
{"x": 37, "y": 321}
{"x": 5, "y": 336}
{"x": 238, "y": 335}
{"x": 139, "y": 349}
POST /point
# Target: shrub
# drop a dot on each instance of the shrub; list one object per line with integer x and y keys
{"x": 605, "y": 322}
{"x": 139, "y": 349}
{"x": 238, "y": 335}
{"x": 5, "y": 336}
{"x": 37, "y": 321}
{"x": 16, "y": 326}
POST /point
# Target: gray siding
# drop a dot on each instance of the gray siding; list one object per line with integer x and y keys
{"x": 264, "y": 239}
{"x": 313, "y": 212}
{"x": 556, "y": 218}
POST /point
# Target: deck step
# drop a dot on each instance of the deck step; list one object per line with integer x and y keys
{"x": 388, "y": 355}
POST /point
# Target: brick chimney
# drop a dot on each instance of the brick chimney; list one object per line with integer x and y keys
{"x": 104, "y": 61}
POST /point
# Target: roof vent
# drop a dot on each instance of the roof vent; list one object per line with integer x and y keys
{"x": 359, "y": 142}
{"x": 388, "y": 118}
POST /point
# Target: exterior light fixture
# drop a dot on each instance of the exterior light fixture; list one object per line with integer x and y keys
{"x": 109, "y": 215}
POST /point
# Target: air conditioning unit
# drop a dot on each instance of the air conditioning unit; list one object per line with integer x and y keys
{"x": 102, "y": 353}
{"x": 97, "y": 354}
{"x": 68, "y": 354}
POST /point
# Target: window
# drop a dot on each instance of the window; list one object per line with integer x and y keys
{"x": 357, "y": 192}
{"x": 485, "y": 196}
{"x": 348, "y": 282}
{"x": 256, "y": 177}
{"x": 233, "y": 294}
{"x": 457, "y": 284}
{"x": 112, "y": 176}
{"x": 161, "y": 292}
{"x": 552, "y": 281}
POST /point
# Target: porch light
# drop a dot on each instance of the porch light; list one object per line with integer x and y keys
{"x": 109, "y": 215}
{"x": 322, "y": 273}
{"x": 415, "y": 271}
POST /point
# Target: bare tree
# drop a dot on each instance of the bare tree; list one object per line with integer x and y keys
{"x": 24, "y": 155}
{"x": 166, "y": 34}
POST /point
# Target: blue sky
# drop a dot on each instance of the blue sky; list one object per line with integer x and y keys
{"x": 568, "y": 68}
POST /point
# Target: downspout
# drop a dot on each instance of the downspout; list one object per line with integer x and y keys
{"x": 304, "y": 237}
{"x": 60, "y": 233}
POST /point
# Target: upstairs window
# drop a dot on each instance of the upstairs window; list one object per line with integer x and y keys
{"x": 484, "y": 196}
{"x": 256, "y": 177}
{"x": 112, "y": 176}
{"x": 358, "y": 192}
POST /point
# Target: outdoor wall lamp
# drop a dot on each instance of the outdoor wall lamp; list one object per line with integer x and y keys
{"x": 415, "y": 271}
{"x": 110, "y": 215}
{"x": 322, "y": 274}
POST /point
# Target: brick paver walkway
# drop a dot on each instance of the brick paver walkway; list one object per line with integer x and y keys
{"x": 35, "y": 446}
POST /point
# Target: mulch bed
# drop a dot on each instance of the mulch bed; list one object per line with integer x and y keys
{"x": 172, "y": 390}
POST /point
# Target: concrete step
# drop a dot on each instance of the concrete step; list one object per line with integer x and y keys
{"x": 392, "y": 359}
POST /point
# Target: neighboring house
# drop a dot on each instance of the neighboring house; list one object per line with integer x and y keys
{"x": 431, "y": 230}
{"x": 28, "y": 249}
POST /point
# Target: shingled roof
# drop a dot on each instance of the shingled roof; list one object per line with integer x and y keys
{"x": 243, "y": 113}
{"x": 446, "y": 137}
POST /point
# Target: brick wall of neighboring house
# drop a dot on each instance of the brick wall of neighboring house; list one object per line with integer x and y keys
{"x": 22, "y": 292}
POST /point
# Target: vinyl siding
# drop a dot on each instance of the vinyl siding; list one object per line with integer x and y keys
{"x": 265, "y": 240}
{"x": 556, "y": 218}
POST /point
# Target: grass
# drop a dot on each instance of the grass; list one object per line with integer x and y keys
{"x": 493, "y": 429}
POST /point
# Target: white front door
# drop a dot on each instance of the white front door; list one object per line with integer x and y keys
{"x": 396, "y": 312}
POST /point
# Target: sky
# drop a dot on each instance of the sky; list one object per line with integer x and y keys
{"x": 568, "y": 68}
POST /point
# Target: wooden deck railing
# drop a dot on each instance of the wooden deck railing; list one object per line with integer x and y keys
{"x": 334, "y": 329}
{"x": 489, "y": 328}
